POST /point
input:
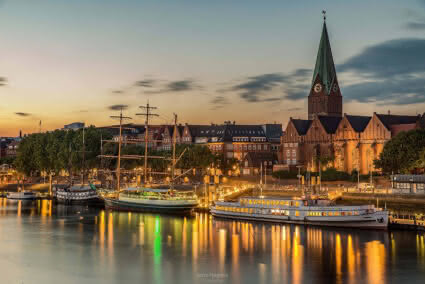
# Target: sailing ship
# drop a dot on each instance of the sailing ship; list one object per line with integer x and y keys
{"x": 77, "y": 193}
{"x": 148, "y": 199}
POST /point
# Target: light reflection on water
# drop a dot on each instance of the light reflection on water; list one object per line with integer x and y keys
{"x": 44, "y": 242}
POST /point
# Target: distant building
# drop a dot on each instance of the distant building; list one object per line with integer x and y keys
{"x": 254, "y": 162}
{"x": 74, "y": 126}
{"x": 233, "y": 140}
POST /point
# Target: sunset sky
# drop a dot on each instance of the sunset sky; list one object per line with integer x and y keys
{"x": 63, "y": 61}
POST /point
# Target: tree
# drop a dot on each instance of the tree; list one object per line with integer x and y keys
{"x": 402, "y": 153}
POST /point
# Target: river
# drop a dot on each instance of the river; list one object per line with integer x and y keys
{"x": 41, "y": 242}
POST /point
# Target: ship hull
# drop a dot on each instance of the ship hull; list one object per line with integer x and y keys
{"x": 123, "y": 205}
{"x": 96, "y": 201}
{"x": 369, "y": 222}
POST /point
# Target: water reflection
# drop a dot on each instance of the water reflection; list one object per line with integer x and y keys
{"x": 130, "y": 247}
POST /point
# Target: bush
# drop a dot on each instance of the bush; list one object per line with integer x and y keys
{"x": 285, "y": 174}
{"x": 332, "y": 174}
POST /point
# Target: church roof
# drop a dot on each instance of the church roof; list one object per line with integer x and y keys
{"x": 301, "y": 125}
{"x": 391, "y": 119}
{"x": 325, "y": 67}
{"x": 357, "y": 122}
{"x": 330, "y": 123}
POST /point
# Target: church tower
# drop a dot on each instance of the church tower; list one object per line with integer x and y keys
{"x": 325, "y": 96}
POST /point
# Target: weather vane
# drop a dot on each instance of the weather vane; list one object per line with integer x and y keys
{"x": 324, "y": 14}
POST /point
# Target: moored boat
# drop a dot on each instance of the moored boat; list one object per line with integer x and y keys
{"x": 77, "y": 194}
{"x": 22, "y": 195}
{"x": 153, "y": 200}
{"x": 319, "y": 212}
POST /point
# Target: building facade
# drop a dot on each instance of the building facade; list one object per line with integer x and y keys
{"x": 329, "y": 138}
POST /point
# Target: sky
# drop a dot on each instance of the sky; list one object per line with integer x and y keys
{"x": 249, "y": 61}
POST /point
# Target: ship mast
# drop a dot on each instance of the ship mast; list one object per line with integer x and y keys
{"x": 120, "y": 117}
{"x": 147, "y": 112}
{"x": 174, "y": 152}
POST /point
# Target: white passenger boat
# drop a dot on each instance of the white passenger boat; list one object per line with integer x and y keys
{"x": 302, "y": 211}
{"x": 22, "y": 195}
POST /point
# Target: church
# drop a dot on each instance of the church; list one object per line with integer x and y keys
{"x": 331, "y": 138}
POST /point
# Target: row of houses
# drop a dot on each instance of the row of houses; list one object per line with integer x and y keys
{"x": 248, "y": 144}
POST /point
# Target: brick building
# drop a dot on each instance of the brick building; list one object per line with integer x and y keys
{"x": 348, "y": 142}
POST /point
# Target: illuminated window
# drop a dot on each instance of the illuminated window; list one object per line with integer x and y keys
{"x": 330, "y": 214}
{"x": 336, "y": 214}
{"x": 297, "y": 204}
{"x": 297, "y": 213}
{"x": 323, "y": 213}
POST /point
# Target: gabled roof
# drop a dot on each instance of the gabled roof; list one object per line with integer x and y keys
{"x": 357, "y": 122}
{"x": 256, "y": 158}
{"x": 226, "y": 132}
{"x": 330, "y": 123}
{"x": 390, "y": 119}
{"x": 325, "y": 67}
{"x": 301, "y": 125}
{"x": 273, "y": 131}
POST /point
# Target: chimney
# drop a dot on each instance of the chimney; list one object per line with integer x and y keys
{"x": 389, "y": 112}
{"x": 20, "y": 133}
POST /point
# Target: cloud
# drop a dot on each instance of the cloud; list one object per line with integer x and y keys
{"x": 256, "y": 87}
{"x": 292, "y": 86}
{"x": 389, "y": 58}
{"x": 3, "y": 81}
{"x": 294, "y": 109}
{"x": 118, "y": 107}
{"x": 23, "y": 114}
{"x": 145, "y": 83}
{"x": 415, "y": 25}
{"x": 219, "y": 102}
{"x": 392, "y": 72}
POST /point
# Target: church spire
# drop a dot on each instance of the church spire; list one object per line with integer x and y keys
{"x": 325, "y": 68}
{"x": 325, "y": 96}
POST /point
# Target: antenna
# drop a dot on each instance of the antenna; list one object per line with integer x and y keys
{"x": 147, "y": 113}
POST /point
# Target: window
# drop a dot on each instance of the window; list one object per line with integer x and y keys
{"x": 297, "y": 213}
{"x": 249, "y": 147}
{"x": 294, "y": 153}
{"x": 254, "y": 147}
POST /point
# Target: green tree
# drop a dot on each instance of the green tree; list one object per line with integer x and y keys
{"x": 402, "y": 153}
